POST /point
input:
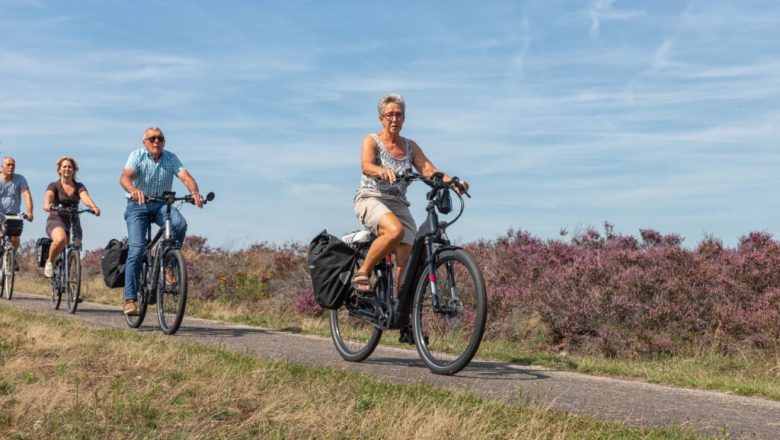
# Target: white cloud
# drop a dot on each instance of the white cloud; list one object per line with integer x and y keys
{"x": 601, "y": 10}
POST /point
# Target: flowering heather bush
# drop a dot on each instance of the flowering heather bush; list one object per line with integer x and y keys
{"x": 618, "y": 296}
{"x": 305, "y": 304}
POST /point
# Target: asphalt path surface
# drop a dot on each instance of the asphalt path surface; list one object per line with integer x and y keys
{"x": 633, "y": 403}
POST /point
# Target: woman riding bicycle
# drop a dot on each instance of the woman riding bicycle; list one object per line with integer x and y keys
{"x": 380, "y": 201}
{"x": 66, "y": 192}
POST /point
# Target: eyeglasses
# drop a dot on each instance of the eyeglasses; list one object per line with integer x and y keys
{"x": 391, "y": 116}
{"x": 153, "y": 139}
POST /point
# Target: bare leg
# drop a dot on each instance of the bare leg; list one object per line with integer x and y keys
{"x": 58, "y": 241}
{"x": 389, "y": 235}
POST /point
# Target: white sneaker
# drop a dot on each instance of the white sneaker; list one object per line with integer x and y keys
{"x": 48, "y": 270}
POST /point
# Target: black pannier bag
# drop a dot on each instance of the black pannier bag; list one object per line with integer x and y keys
{"x": 113, "y": 263}
{"x": 330, "y": 266}
{"x": 42, "y": 250}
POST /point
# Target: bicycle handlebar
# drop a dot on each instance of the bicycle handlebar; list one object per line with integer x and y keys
{"x": 436, "y": 180}
{"x": 70, "y": 209}
{"x": 170, "y": 198}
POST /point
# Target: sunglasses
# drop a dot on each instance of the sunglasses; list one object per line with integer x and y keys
{"x": 155, "y": 139}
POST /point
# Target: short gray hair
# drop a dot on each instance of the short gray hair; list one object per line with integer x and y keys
{"x": 390, "y": 98}
{"x": 143, "y": 137}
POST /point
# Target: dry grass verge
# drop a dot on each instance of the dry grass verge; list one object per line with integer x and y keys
{"x": 61, "y": 379}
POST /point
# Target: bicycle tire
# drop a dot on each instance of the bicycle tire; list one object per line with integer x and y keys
{"x": 9, "y": 274}
{"x": 73, "y": 281}
{"x": 2, "y": 277}
{"x": 172, "y": 296}
{"x": 354, "y": 338}
{"x": 55, "y": 283}
{"x": 135, "y": 321}
{"x": 448, "y": 338}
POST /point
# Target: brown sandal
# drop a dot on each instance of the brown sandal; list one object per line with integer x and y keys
{"x": 361, "y": 282}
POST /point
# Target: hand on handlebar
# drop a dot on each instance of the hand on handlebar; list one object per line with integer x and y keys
{"x": 387, "y": 175}
{"x": 197, "y": 199}
{"x": 461, "y": 186}
{"x": 138, "y": 196}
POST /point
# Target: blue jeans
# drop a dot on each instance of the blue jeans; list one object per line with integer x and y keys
{"x": 137, "y": 218}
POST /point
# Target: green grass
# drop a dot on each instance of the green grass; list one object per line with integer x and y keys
{"x": 92, "y": 383}
{"x": 747, "y": 374}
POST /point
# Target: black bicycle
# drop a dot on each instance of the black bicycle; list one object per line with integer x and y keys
{"x": 67, "y": 265}
{"x": 163, "y": 277}
{"x": 10, "y": 226}
{"x": 443, "y": 290}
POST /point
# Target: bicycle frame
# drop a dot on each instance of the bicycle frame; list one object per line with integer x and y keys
{"x": 156, "y": 247}
{"x": 430, "y": 240}
{"x": 62, "y": 277}
{"x": 69, "y": 246}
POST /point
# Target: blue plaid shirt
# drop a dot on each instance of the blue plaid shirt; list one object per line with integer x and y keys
{"x": 153, "y": 178}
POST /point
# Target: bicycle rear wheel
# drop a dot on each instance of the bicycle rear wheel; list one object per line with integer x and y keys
{"x": 134, "y": 321}
{"x": 8, "y": 273}
{"x": 448, "y": 334}
{"x": 172, "y": 291}
{"x": 354, "y": 338}
{"x": 56, "y": 282}
{"x": 73, "y": 285}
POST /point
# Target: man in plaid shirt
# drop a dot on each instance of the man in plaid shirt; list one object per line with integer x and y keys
{"x": 149, "y": 171}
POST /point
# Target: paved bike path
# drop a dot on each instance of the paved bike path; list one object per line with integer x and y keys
{"x": 636, "y": 404}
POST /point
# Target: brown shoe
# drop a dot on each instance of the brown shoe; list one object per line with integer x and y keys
{"x": 131, "y": 308}
{"x": 170, "y": 276}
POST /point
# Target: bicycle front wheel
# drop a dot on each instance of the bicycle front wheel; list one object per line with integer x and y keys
{"x": 449, "y": 325}
{"x": 172, "y": 291}
{"x": 73, "y": 282}
{"x": 2, "y": 277}
{"x": 8, "y": 273}
{"x": 354, "y": 338}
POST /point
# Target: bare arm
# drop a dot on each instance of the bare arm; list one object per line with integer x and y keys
{"x": 28, "y": 201}
{"x": 48, "y": 197}
{"x": 191, "y": 185}
{"x": 126, "y": 182}
{"x": 426, "y": 167}
{"x": 422, "y": 163}
{"x": 84, "y": 196}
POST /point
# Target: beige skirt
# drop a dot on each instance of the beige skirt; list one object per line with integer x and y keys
{"x": 370, "y": 208}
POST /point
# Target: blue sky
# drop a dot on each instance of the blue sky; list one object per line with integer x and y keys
{"x": 561, "y": 114}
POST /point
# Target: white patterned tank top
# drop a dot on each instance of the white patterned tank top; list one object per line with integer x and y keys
{"x": 372, "y": 187}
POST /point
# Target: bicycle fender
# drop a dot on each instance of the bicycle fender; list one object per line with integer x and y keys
{"x": 440, "y": 249}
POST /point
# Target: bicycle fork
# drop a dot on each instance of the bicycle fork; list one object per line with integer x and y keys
{"x": 436, "y": 304}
